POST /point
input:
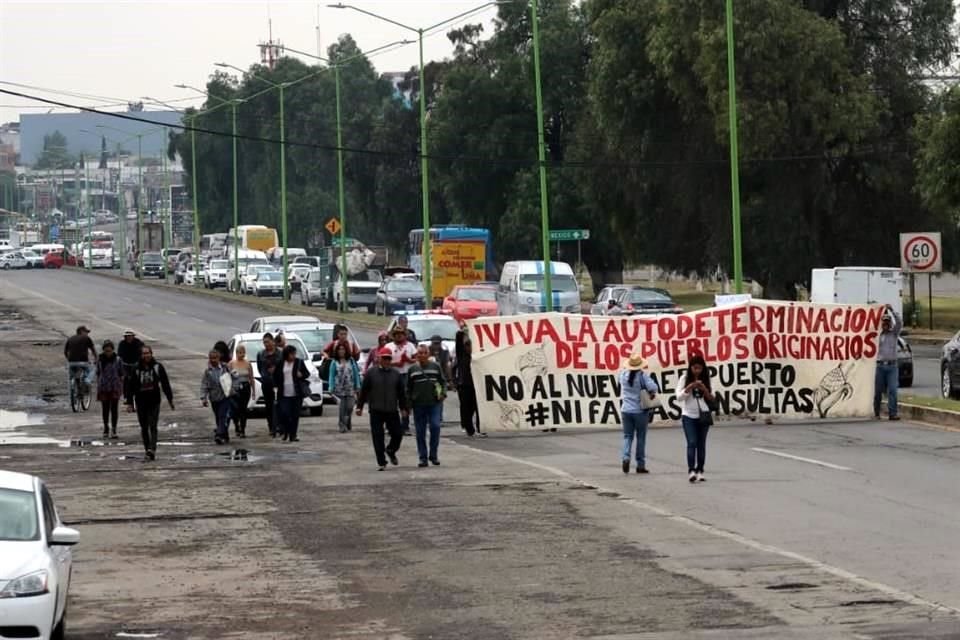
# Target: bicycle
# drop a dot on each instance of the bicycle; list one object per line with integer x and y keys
{"x": 79, "y": 390}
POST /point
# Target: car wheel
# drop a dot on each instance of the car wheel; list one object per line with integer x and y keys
{"x": 60, "y": 630}
{"x": 946, "y": 386}
{"x": 906, "y": 382}
{"x": 316, "y": 411}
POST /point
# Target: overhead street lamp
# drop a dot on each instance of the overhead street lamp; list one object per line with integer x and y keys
{"x": 340, "y": 185}
{"x": 236, "y": 215}
{"x": 424, "y": 160}
{"x": 283, "y": 171}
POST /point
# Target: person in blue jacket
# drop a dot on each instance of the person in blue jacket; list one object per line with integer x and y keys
{"x": 633, "y": 381}
{"x": 344, "y": 383}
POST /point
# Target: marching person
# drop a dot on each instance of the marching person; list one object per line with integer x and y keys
{"x": 469, "y": 414}
{"x": 216, "y": 393}
{"x": 291, "y": 379}
{"x": 696, "y": 398}
{"x": 344, "y": 383}
{"x": 242, "y": 372}
{"x": 887, "y": 376}
{"x": 633, "y": 381}
{"x": 109, "y": 388}
{"x": 427, "y": 389}
{"x": 143, "y": 388}
{"x": 404, "y": 354}
{"x": 341, "y": 335}
{"x": 383, "y": 388}
{"x": 267, "y": 361}
{"x": 404, "y": 323}
{"x": 373, "y": 358}
{"x": 223, "y": 350}
{"x": 129, "y": 350}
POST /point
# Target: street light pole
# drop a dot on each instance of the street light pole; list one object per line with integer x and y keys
{"x": 542, "y": 161}
{"x": 734, "y": 154}
{"x": 236, "y": 208}
{"x": 196, "y": 208}
{"x": 283, "y": 197}
{"x": 86, "y": 191}
{"x": 123, "y": 216}
{"x": 139, "y": 206}
{"x": 340, "y": 196}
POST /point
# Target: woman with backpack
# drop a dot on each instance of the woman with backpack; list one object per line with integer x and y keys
{"x": 637, "y": 391}
{"x": 109, "y": 387}
{"x": 344, "y": 383}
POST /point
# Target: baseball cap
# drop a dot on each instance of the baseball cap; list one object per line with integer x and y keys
{"x": 83, "y": 329}
{"x": 385, "y": 353}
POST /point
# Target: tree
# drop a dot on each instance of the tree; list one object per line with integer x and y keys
{"x": 54, "y": 154}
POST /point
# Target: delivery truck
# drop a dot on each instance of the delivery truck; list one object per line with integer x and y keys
{"x": 858, "y": 285}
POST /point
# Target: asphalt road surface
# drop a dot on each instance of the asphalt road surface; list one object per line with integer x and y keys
{"x": 802, "y": 531}
{"x": 926, "y": 371}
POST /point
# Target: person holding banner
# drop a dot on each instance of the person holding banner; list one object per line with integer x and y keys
{"x": 637, "y": 397}
{"x": 888, "y": 370}
{"x": 696, "y": 399}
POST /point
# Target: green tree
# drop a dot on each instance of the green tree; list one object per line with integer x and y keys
{"x": 54, "y": 154}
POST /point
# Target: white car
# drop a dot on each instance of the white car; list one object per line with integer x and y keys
{"x": 22, "y": 259}
{"x": 190, "y": 277}
{"x": 267, "y": 283}
{"x": 312, "y": 288}
{"x": 270, "y": 324}
{"x": 254, "y": 345}
{"x": 215, "y": 274}
{"x": 248, "y": 277}
{"x": 298, "y": 273}
{"x": 35, "y": 560}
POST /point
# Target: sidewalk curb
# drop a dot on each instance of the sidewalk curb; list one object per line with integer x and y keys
{"x": 364, "y": 321}
{"x": 939, "y": 417}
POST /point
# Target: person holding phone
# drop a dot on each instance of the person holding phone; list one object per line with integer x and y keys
{"x": 696, "y": 399}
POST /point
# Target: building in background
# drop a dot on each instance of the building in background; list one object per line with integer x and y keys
{"x": 34, "y": 126}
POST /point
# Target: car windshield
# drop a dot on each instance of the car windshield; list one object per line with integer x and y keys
{"x": 269, "y": 276}
{"x": 18, "y": 516}
{"x": 425, "y": 328}
{"x": 534, "y": 282}
{"x": 218, "y": 264}
{"x": 404, "y": 286}
{"x": 254, "y": 347}
{"x": 476, "y": 294}
{"x": 647, "y": 296}
{"x": 273, "y": 327}
{"x": 315, "y": 339}
{"x": 152, "y": 257}
{"x": 257, "y": 268}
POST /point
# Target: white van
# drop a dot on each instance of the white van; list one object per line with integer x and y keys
{"x": 858, "y": 285}
{"x": 44, "y": 249}
{"x": 521, "y": 288}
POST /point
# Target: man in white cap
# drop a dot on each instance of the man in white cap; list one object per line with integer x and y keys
{"x": 129, "y": 351}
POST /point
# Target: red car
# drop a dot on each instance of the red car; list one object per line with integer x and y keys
{"x": 56, "y": 259}
{"x": 471, "y": 301}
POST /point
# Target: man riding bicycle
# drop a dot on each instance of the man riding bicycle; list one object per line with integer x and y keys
{"x": 77, "y": 351}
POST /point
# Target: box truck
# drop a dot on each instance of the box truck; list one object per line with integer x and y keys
{"x": 858, "y": 285}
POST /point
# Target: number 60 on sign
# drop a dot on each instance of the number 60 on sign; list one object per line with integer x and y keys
{"x": 921, "y": 252}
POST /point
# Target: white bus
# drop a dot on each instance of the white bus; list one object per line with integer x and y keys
{"x": 256, "y": 237}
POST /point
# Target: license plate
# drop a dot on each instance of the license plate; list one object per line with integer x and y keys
{"x": 409, "y": 307}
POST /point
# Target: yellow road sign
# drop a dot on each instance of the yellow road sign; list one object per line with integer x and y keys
{"x": 333, "y": 226}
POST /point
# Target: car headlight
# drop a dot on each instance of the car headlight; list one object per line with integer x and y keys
{"x": 392, "y": 300}
{"x": 32, "y": 584}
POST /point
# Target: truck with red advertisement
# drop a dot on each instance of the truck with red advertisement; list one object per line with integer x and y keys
{"x": 459, "y": 255}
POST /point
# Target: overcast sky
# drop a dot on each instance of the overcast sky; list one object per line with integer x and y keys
{"x": 125, "y": 49}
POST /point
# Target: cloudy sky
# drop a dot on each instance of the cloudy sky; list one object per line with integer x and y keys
{"x": 121, "y": 50}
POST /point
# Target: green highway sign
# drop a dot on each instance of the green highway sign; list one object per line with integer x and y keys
{"x": 559, "y": 235}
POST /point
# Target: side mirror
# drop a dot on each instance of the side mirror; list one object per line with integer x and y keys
{"x": 64, "y": 537}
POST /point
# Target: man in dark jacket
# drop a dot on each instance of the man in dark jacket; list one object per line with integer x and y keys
{"x": 427, "y": 389}
{"x": 129, "y": 351}
{"x": 143, "y": 388}
{"x": 383, "y": 389}
{"x": 267, "y": 362}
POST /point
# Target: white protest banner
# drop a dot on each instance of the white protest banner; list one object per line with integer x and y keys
{"x": 765, "y": 358}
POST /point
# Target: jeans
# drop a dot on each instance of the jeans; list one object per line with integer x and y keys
{"x": 111, "y": 414}
{"x": 379, "y": 419}
{"x": 887, "y": 378}
{"x": 239, "y": 409}
{"x": 148, "y": 415}
{"x": 345, "y": 412}
{"x": 425, "y": 417}
{"x": 696, "y": 432}
{"x": 288, "y": 415}
{"x": 221, "y": 414}
{"x": 269, "y": 403}
{"x": 635, "y": 424}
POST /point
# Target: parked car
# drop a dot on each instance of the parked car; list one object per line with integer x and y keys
{"x": 249, "y": 276}
{"x": 642, "y": 301}
{"x": 253, "y": 342}
{"x": 608, "y": 294}
{"x": 396, "y": 294}
{"x": 470, "y": 301}
{"x": 312, "y": 290}
{"x": 270, "y": 324}
{"x": 904, "y": 363}
{"x": 21, "y": 259}
{"x": 215, "y": 274}
{"x": 36, "y": 561}
{"x": 57, "y": 259}
{"x": 267, "y": 283}
{"x": 151, "y": 265}
{"x": 950, "y": 368}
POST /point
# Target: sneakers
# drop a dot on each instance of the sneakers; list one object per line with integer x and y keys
{"x": 642, "y": 470}
{"x": 393, "y": 458}
{"x": 700, "y": 477}
{"x": 381, "y": 467}
{"x": 625, "y": 465}
{"x": 693, "y": 477}
{"x": 422, "y": 464}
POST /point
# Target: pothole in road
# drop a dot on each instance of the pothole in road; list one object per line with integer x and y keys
{"x": 12, "y": 424}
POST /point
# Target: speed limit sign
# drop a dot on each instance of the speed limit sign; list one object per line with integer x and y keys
{"x": 921, "y": 252}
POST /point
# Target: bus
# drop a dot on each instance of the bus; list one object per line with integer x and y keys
{"x": 459, "y": 255}
{"x": 213, "y": 244}
{"x": 255, "y": 237}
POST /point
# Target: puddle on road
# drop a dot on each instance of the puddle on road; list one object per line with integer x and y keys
{"x": 12, "y": 424}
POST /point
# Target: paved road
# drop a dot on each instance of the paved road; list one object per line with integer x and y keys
{"x": 926, "y": 371}
{"x": 803, "y": 530}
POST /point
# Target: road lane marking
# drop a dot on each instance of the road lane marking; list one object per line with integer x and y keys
{"x": 813, "y": 563}
{"x": 80, "y": 312}
{"x": 173, "y": 313}
{"x": 819, "y": 463}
